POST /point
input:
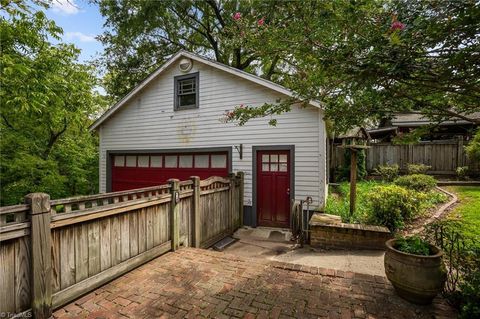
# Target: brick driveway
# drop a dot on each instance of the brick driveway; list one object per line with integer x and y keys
{"x": 194, "y": 283}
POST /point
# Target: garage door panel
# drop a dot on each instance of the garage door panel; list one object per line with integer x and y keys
{"x": 130, "y": 171}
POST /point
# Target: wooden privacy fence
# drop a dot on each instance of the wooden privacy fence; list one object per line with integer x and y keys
{"x": 53, "y": 251}
{"x": 443, "y": 156}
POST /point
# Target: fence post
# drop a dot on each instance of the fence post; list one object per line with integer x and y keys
{"x": 197, "y": 223}
{"x": 174, "y": 211}
{"x": 460, "y": 153}
{"x": 41, "y": 259}
{"x": 241, "y": 176}
{"x": 231, "y": 201}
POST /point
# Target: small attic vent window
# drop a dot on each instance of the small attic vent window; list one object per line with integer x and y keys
{"x": 186, "y": 92}
{"x": 185, "y": 65}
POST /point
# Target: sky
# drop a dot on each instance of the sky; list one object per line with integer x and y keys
{"x": 81, "y": 23}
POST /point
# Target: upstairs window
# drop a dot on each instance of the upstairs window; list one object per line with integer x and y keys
{"x": 186, "y": 92}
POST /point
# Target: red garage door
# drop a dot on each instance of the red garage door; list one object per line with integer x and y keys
{"x": 131, "y": 171}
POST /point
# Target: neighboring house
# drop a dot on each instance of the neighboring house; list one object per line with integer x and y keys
{"x": 170, "y": 126}
{"x": 406, "y": 122}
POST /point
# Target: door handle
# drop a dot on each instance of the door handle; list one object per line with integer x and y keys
{"x": 288, "y": 191}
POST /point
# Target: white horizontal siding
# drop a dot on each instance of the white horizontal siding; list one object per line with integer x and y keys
{"x": 149, "y": 122}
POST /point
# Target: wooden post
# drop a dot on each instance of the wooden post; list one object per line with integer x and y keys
{"x": 353, "y": 179}
{"x": 197, "y": 223}
{"x": 460, "y": 153}
{"x": 231, "y": 202}
{"x": 241, "y": 176}
{"x": 41, "y": 259}
{"x": 174, "y": 212}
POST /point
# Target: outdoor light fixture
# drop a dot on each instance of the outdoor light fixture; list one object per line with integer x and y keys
{"x": 239, "y": 149}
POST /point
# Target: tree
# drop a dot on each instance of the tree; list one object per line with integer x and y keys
{"x": 143, "y": 34}
{"x": 47, "y": 99}
{"x": 369, "y": 59}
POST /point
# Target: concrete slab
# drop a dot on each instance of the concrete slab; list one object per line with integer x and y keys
{"x": 256, "y": 243}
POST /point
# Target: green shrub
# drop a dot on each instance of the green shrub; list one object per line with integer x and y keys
{"x": 418, "y": 182}
{"x": 413, "y": 245}
{"x": 417, "y": 168}
{"x": 473, "y": 148}
{"x": 387, "y": 172}
{"x": 392, "y": 205}
{"x": 462, "y": 172}
{"x": 343, "y": 172}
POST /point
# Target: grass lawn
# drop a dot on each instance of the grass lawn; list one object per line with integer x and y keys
{"x": 467, "y": 212}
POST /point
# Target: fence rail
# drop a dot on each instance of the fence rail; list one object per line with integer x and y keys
{"x": 443, "y": 156}
{"x": 53, "y": 251}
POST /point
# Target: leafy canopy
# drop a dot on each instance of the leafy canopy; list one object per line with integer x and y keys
{"x": 143, "y": 34}
{"x": 368, "y": 59}
{"x": 47, "y": 100}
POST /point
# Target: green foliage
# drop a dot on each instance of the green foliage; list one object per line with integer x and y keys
{"x": 417, "y": 168}
{"x": 470, "y": 290}
{"x": 392, "y": 206}
{"x": 142, "y": 35}
{"x": 412, "y": 203}
{"x": 48, "y": 101}
{"x": 418, "y": 182}
{"x": 473, "y": 148}
{"x": 387, "y": 172}
{"x": 338, "y": 202}
{"x": 343, "y": 172}
{"x": 369, "y": 59}
{"x": 462, "y": 172}
{"x": 462, "y": 260}
{"x": 413, "y": 245}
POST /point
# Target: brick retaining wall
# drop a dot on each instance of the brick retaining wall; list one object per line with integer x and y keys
{"x": 348, "y": 236}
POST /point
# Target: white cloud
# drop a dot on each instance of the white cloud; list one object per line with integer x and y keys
{"x": 82, "y": 37}
{"x": 65, "y": 7}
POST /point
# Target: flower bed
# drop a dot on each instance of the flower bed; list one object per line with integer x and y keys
{"x": 385, "y": 203}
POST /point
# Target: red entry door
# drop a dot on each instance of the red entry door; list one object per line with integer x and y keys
{"x": 273, "y": 188}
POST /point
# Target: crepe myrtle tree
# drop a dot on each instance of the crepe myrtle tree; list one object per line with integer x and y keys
{"x": 368, "y": 59}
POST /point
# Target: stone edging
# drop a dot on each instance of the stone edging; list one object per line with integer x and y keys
{"x": 438, "y": 214}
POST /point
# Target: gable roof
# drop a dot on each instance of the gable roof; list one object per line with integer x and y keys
{"x": 247, "y": 76}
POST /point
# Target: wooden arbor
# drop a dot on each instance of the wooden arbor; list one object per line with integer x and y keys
{"x": 356, "y": 139}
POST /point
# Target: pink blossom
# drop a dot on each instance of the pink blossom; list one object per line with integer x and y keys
{"x": 397, "y": 25}
{"x": 261, "y": 21}
{"x": 237, "y": 16}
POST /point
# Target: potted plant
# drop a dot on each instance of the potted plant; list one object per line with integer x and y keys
{"x": 415, "y": 268}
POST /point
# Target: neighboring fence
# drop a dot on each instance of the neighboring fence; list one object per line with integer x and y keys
{"x": 53, "y": 251}
{"x": 443, "y": 156}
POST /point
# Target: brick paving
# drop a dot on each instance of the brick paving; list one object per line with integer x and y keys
{"x": 194, "y": 283}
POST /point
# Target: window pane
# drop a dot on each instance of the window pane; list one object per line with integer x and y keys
{"x": 131, "y": 161}
{"x": 273, "y": 167}
{"x": 283, "y": 167}
{"x": 119, "y": 160}
{"x": 185, "y": 100}
{"x": 186, "y": 86}
{"x": 186, "y": 161}
{"x": 143, "y": 161}
{"x": 171, "y": 161}
{"x": 265, "y": 158}
{"x": 283, "y": 158}
{"x": 219, "y": 161}
{"x": 274, "y": 158}
{"x": 265, "y": 167}
{"x": 155, "y": 161}
{"x": 201, "y": 161}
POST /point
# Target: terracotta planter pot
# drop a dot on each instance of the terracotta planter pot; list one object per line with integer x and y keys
{"x": 416, "y": 278}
